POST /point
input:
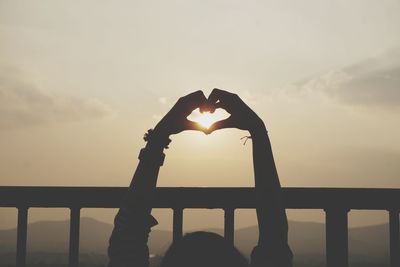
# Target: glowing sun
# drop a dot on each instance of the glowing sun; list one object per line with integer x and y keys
{"x": 206, "y": 119}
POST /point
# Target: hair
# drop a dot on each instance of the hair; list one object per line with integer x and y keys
{"x": 203, "y": 249}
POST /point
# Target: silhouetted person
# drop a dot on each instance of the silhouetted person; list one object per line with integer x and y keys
{"x": 132, "y": 224}
{"x": 200, "y": 249}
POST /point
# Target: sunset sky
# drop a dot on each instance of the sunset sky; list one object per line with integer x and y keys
{"x": 81, "y": 82}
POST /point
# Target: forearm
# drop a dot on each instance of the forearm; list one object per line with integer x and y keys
{"x": 128, "y": 242}
{"x": 271, "y": 213}
{"x": 272, "y": 249}
{"x": 144, "y": 181}
{"x": 265, "y": 173}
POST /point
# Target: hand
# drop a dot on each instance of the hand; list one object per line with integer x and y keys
{"x": 242, "y": 117}
{"x": 175, "y": 121}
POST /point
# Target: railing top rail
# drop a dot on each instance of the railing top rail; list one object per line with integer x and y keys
{"x": 188, "y": 197}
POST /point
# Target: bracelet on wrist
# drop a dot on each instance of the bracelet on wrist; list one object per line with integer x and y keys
{"x": 151, "y": 137}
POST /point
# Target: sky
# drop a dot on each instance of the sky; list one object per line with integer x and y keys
{"x": 81, "y": 82}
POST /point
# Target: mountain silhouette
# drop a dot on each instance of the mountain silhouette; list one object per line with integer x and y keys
{"x": 307, "y": 240}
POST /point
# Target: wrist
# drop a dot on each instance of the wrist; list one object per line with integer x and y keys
{"x": 156, "y": 140}
{"x": 258, "y": 129}
{"x": 161, "y": 131}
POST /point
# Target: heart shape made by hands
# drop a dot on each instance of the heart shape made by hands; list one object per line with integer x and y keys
{"x": 206, "y": 119}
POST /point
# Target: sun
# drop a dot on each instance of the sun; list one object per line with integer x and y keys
{"x": 206, "y": 119}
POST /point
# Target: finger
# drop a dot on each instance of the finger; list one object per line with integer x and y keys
{"x": 194, "y": 100}
{"x": 219, "y": 105}
{"x": 192, "y": 125}
{"x": 218, "y": 94}
{"x": 222, "y": 124}
{"x": 216, "y": 106}
{"x": 208, "y": 107}
{"x": 220, "y": 99}
{"x": 198, "y": 100}
{"x": 197, "y": 96}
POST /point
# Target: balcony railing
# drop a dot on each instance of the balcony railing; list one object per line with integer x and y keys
{"x": 336, "y": 202}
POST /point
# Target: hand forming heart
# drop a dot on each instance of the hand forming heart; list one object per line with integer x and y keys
{"x": 241, "y": 116}
{"x": 206, "y": 119}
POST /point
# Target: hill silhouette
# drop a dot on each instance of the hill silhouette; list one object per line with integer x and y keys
{"x": 307, "y": 240}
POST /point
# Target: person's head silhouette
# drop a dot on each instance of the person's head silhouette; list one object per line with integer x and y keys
{"x": 203, "y": 249}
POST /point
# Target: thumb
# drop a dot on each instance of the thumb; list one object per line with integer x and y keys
{"x": 192, "y": 125}
{"x": 227, "y": 123}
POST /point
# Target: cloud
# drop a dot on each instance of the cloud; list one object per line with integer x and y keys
{"x": 23, "y": 104}
{"x": 372, "y": 82}
{"x": 163, "y": 100}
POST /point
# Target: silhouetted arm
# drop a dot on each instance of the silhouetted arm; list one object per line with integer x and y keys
{"x": 272, "y": 249}
{"x": 133, "y": 222}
